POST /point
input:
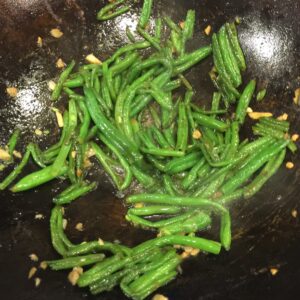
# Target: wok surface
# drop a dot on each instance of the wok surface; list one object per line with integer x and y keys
{"x": 265, "y": 233}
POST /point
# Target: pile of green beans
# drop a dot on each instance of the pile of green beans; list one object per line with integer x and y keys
{"x": 188, "y": 159}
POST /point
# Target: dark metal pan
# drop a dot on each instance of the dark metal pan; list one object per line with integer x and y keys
{"x": 265, "y": 233}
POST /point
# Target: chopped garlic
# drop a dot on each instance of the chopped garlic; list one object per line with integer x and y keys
{"x": 138, "y": 205}
{"x": 56, "y": 33}
{"x": 59, "y": 117}
{"x": 31, "y": 273}
{"x": 87, "y": 163}
{"x": 39, "y": 216}
{"x": 283, "y": 117}
{"x": 159, "y": 297}
{"x": 258, "y": 115}
{"x": 181, "y": 24}
{"x": 294, "y": 213}
{"x": 197, "y": 134}
{"x": 4, "y": 155}
{"x": 60, "y": 64}
{"x": 91, "y": 152}
{"x": 289, "y": 165}
{"x": 207, "y": 30}
{"x": 39, "y": 42}
{"x": 43, "y": 265}
{"x": 51, "y": 85}
{"x": 249, "y": 110}
{"x": 79, "y": 227}
{"x": 74, "y": 275}
{"x": 92, "y": 59}
{"x": 12, "y": 91}
{"x": 195, "y": 252}
{"x": 37, "y": 281}
{"x": 73, "y": 154}
{"x": 297, "y": 96}
{"x": 274, "y": 271}
{"x": 34, "y": 257}
{"x": 65, "y": 223}
{"x": 17, "y": 154}
{"x": 295, "y": 137}
{"x": 38, "y": 132}
{"x": 185, "y": 255}
{"x": 100, "y": 242}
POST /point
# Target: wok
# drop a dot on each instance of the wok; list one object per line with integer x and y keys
{"x": 265, "y": 233}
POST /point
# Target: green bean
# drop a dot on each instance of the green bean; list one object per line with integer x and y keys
{"x": 169, "y": 135}
{"x": 262, "y": 129}
{"x": 63, "y": 77}
{"x": 162, "y": 152}
{"x": 172, "y": 85}
{"x": 188, "y": 60}
{"x": 161, "y": 97}
{"x": 108, "y": 129}
{"x": 188, "y": 29}
{"x": 261, "y": 95}
{"x": 130, "y": 35}
{"x": 168, "y": 117}
{"x": 57, "y": 243}
{"x": 72, "y": 121}
{"x": 145, "y": 14}
{"x": 124, "y": 64}
{"x": 36, "y": 154}
{"x": 192, "y": 175}
{"x": 193, "y": 224}
{"x": 210, "y": 122}
{"x": 168, "y": 185}
{"x": 74, "y": 194}
{"x": 227, "y": 199}
{"x": 152, "y": 40}
{"x": 83, "y": 132}
{"x": 256, "y": 162}
{"x": 176, "y": 41}
{"x": 74, "y": 82}
{"x": 155, "y": 117}
{"x": 60, "y": 160}
{"x": 225, "y": 231}
{"x": 232, "y": 33}
{"x": 267, "y": 172}
{"x": 78, "y": 261}
{"x": 244, "y": 101}
{"x": 276, "y": 124}
{"x": 183, "y": 128}
{"x": 15, "y": 173}
{"x": 181, "y": 164}
{"x": 105, "y": 13}
{"x": 124, "y": 164}
{"x": 194, "y": 242}
{"x": 13, "y": 140}
{"x": 155, "y": 210}
{"x": 147, "y": 140}
{"x": 143, "y": 178}
{"x": 159, "y": 137}
{"x": 108, "y": 91}
{"x": 158, "y": 28}
{"x": 231, "y": 65}
{"x": 37, "y": 178}
{"x": 60, "y": 230}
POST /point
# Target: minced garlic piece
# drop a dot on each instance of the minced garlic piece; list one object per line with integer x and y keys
{"x": 43, "y": 265}
{"x": 87, "y": 163}
{"x": 258, "y": 115}
{"x": 294, "y": 213}
{"x": 12, "y": 91}
{"x": 274, "y": 271}
{"x": 289, "y": 165}
{"x": 283, "y": 117}
{"x": 185, "y": 255}
{"x": 17, "y": 154}
{"x": 297, "y": 96}
{"x": 73, "y": 154}
{"x": 295, "y": 137}
{"x": 57, "y": 33}
{"x": 195, "y": 252}
{"x": 60, "y": 64}
{"x": 37, "y": 281}
{"x": 138, "y": 205}
{"x": 197, "y": 134}
{"x": 100, "y": 242}
{"x": 59, "y": 117}
{"x": 159, "y": 297}
{"x": 31, "y": 273}
{"x": 91, "y": 152}
{"x": 79, "y": 227}
{"x": 4, "y": 155}
{"x": 249, "y": 110}
{"x": 92, "y": 59}
{"x": 39, "y": 42}
{"x": 51, "y": 85}
{"x": 207, "y": 30}
{"x": 181, "y": 24}
{"x": 33, "y": 257}
{"x": 38, "y": 132}
{"x": 39, "y": 216}
{"x": 74, "y": 275}
{"x": 65, "y": 223}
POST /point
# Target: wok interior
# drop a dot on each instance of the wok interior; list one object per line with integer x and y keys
{"x": 265, "y": 233}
